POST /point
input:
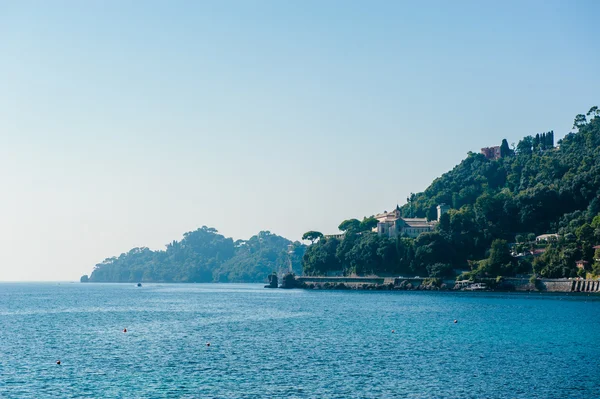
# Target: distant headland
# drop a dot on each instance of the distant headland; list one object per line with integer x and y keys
{"x": 203, "y": 256}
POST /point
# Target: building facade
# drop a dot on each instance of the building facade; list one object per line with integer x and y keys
{"x": 441, "y": 209}
{"x": 491, "y": 152}
{"x": 391, "y": 224}
{"x": 547, "y": 238}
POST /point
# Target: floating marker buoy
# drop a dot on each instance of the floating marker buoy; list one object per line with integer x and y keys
{"x": 58, "y": 362}
{"x": 455, "y": 321}
{"x": 124, "y": 330}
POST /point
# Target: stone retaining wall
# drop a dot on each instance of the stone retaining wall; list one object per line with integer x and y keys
{"x": 516, "y": 284}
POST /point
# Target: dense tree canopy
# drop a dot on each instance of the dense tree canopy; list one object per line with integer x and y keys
{"x": 312, "y": 236}
{"x": 368, "y": 223}
{"x": 349, "y": 224}
{"x": 533, "y": 189}
{"x": 204, "y": 256}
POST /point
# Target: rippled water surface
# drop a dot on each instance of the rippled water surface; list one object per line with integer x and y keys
{"x": 293, "y": 344}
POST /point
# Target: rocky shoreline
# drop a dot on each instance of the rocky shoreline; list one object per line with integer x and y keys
{"x": 375, "y": 283}
{"x": 403, "y": 286}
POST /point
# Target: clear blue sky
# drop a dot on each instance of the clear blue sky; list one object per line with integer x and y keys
{"x": 127, "y": 123}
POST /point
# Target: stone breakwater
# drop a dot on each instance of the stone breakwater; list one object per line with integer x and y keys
{"x": 425, "y": 284}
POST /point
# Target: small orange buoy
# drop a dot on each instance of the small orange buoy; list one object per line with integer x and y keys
{"x": 58, "y": 362}
{"x": 455, "y": 321}
{"x": 208, "y": 344}
{"x": 124, "y": 330}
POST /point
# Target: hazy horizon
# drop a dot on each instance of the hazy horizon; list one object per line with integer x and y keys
{"x": 127, "y": 124}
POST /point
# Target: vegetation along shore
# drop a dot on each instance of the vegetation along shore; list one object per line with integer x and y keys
{"x": 533, "y": 209}
{"x": 526, "y": 211}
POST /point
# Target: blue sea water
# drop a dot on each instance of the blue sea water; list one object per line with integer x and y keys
{"x": 293, "y": 343}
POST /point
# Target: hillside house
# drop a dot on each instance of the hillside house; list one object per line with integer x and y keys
{"x": 547, "y": 238}
{"x": 391, "y": 224}
{"x": 491, "y": 153}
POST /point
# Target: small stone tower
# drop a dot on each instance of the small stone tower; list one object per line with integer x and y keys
{"x": 441, "y": 209}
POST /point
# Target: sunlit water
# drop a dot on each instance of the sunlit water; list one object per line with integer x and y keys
{"x": 293, "y": 344}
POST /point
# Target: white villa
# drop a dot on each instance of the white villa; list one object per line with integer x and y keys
{"x": 392, "y": 224}
{"x": 547, "y": 238}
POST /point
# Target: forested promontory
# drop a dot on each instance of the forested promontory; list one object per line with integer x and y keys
{"x": 201, "y": 256}
{"x": 499, "y": 205}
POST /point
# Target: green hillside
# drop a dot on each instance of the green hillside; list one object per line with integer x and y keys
{"x": 201, "y": 256}
{"x": 532, "y": 189}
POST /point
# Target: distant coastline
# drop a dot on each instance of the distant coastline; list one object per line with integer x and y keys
{"x": 203, "y": 256}
{"x": 377, "y": 283}
{"x": 531, "y": 210}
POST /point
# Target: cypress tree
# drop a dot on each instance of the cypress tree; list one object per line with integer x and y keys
{"x": 504, "y": 149}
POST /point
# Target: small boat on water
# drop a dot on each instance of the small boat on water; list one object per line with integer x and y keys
{"x": 476, "y": 287}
